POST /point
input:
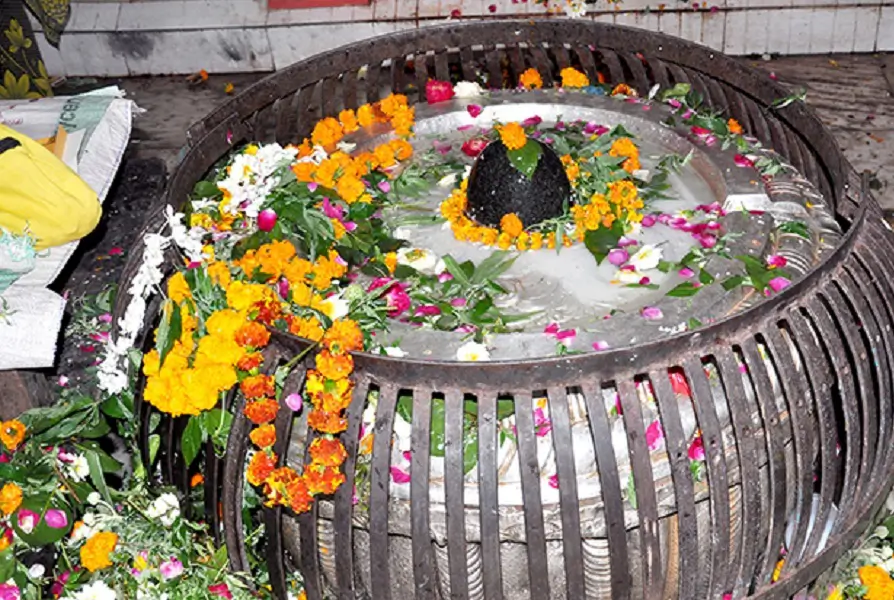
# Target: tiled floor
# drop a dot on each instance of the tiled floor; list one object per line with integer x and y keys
{"x": 853, "y": 95}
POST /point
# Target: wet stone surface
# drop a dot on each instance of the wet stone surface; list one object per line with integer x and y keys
{"x": 497, "y": 188}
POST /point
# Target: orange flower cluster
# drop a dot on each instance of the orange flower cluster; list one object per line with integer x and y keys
{"x": 510, "y": 235}
{"x": 10, "y": 498}
{"x": 96, "y": 551}
{"x": 572, "y": 78}
{"x": 530, "y": 80}
{"x": 621, "y": 202}
{"x": 624, "y": 147}
{"x": 734, "y": 127}
{"x": 512, "y": 135}
{"x": 12, "y": 434}
{"x": 622, "y": 89}
{"x": 878, "y": 583}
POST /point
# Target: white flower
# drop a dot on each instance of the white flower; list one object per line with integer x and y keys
{"x": 37, "y": 571}
{"x": 420, "y": 259}
{"x": 472, "y": 351}
{"x": 467, "y": 89}
{"x": 93, "y": 498}
{"x": 447, "y": 181}
{"x": 394, "y": 351}
{"x": 336, "y": 306}
{"x": 346, "y": 147}
{"x": 165, "y": 508}
{"x": 78, "y": 470}
{"x": 98, "y": 590}
{"x": 647, "y": 258}
{"x": 628, "y": 276}
{"x": 575, "y": 8}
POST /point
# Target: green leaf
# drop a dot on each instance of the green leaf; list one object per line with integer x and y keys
{"x": 119, "y": 406}
{"x": 96, "y": 474}
{"x": 492, "y": 267}
{"x": 217, "y": 425}
{"x": 680, "y": 90}
{"x": 684, "y": 290}
{"x": 193, "y": 437}
{"x": 454, "y": 269}
{"x": 631, "y": 491}
{"x": 732, "y": 282}
{"x": 693, "y": 323}
{"x": 795, "y": 227}
{"x": 42, "y": 534}
{"x": 7, "y": 564}
{"x": 219, "y": 559}
{"x": 705, "y": 278}
{"x": 168, "y": 330}
{"x": 206, "y": 189}
{"x": 525, "y": 159}
{"x": 665, "y": 266}
{"x": 470, "y": 442}
{"x": 437, "y": 426}
{"x": 154, "y": 444}
{"x": 505, "y": 409}
{"x": 481, "y": 307}
{"x": 600, "y": 241}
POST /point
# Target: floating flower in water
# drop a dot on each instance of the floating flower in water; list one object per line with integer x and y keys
{"x": 600, "y": 345}
{"x": 646, "y": 258}
{"x": 776, "y": 261}
{"x": 474, "y": 146}
{"x": 467, "y": 89}
{"x": 654, "y": 435}
{"x": 438, "y": 91}
{"x": 472, "y": 351}
{"x": 686, "y": 273}
{"x": 652, "y": 313}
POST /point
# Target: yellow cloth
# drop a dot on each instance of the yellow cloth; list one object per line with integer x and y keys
{"x": 39, "y": 191}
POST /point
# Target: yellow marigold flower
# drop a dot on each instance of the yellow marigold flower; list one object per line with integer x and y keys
{"x": 218, "y": 350}
{"x": 504, "y": 241}
{"x": 622, "y": 192}
{"x": 536, "y": 240}
{"x": 366, "y": 116}
{"x": 219, "y": 272}
{"x": 384, "y": 156}
{"x": 327, "y": 452}
{"x": 140, "y": 563}
{"x": 334, "y": 366}
{"x": 201, "y": 220}
{"x": 260, "y": 467}
{"x": 327, "y": 132}
{"x": 530, "y": 79}
{"x": 835, "y": 594}
{"x": 327, "y": 268}
{"x": 622, "y": 89}
{"x": 390, "y": 261}
{"x": 309, "y": 328}
{"x": 12, "y": 433}
{"x": 879, "y": 585}
{"x": 402, "y": 149}
{"x": 350, "y": 188}
{"x": 324, "y": 174}
{"x": 297, "y": 270}
{"x": 523, "y": 241}
{"x": 178, "y": 289}
{"x": 225, "y": 322}
{"x": 348, "y": 121}
{"x": 403, "y": 121}
{"x": 489, "y": 236}
{"x": 511, "y": 225}
{"x": 392, "y": 104}
{"x": 512, "y": 135}
{"x": 10, "y": 498}
{"x": 777, "y": 570}
{"x": 572, "y": 78}
{"x": 243, "y": 296}
{"x": 95, "y": 552}
{"x": 734, "y": 126}
{"x": 623, "y": 147}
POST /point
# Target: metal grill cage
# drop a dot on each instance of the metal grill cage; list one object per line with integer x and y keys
{"x": 793, "y": 397}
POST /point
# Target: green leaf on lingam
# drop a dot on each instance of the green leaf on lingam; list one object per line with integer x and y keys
{"x": 525, "y": 159}
{"x": 600, "y": 241}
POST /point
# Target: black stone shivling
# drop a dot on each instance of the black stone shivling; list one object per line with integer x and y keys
{"x": 497, "y": 188}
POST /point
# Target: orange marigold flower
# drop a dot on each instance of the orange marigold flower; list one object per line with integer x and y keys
{"x": 348, "y": 120}
{"x": 512, "y": 225}
{"x": 326, "y": 422}
{"x": 531, "y": 79}
{"x": 384, "y": 155}
{"x": 276, "y": 485}
{"x": 390, "y": 260}
{"x": 513, "y": 136}
{"x": 328, "y": 452}
{"x": 258, "y": 386}
{"x": 573, "y": 78}
{"x": 392, "y": 104}
{"x": 734, "y": 126}
{"x": 253, "y": 334}
{"x": 243, "y": 296}
{"x": 219, "y": 272}
{"x": 622, "y": 89}
{"x": 96, "y": 550}
{"x": 12, "y": 433}
{"x": 350, "y": 188}
{"x": 299, "y": 496}
{"x": 366, "y": 116}
{"x": 196, "y": 480}
{"x": 403, "y": 121}
{"x": 344, "y": 335}
{"x": 261, "y": 411}
{"x": 5, "y": 538}
{"x": 309, "y": 328}
{"x": 250, "y": 361}
{"x": 323, "y": 480}
{"x": 401, "y": 148}
{"x": 327, "y": 132}
{"x": 178, "y": 289}
{"x": 334, "y": 366}
{"x": 260, "y": 467}
{"x": 304, "y": 171}
{"x": 878, "y": 583}
{"x": 263, "y": 436}
{"x": 10, "y": 498}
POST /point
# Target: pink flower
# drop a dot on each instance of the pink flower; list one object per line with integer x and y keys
{"x": 648, "y": 221}
{"x": 295, "y": 402}
{"x": 9, "y": 591}
{"x": 593, "y": 128}
{"x": 674, "y": 103}
{"x": 600, "y": 345}
{"x": 542, "y": 425}
{"x": 87, "y": 348}
{"x": 458, "y": 301}
{"x": 565, "y": 334}
{"x": 686, "y": 273}
{"x": 397, "y": 300}
{"x": 333, "y": 211}
{"x": 267, "y": 219}
{"x": 104, "y": 318}
{"x": 492, "y": 8}
{"x": 398, "y": 475}
{"x": 618, "y": 257}
{"x": 474, "y": 110}
{"x": 312, "y": 186}
{"x": 474, "y": 146}
{"x": 283, "y": 287}
{"x": 441, "y": 147}
{"x": 115, "y": 251}
{"x": 553, "y": 330}
{"x": 28, "y": 520}
{"x": 444, "y": 276}
{"x": 626, "y": 242}
{"x": 378, "y": 282}
{"x": 652, "y": 313}
{"x": 438, "y": 91}
{"x": 455, "y": 13}
{"x": 777, "y": 284}
{"x": 697, "y": 449}
{"x": 222, "y": 590}
{"x": 654, "y": 435}
{"x": 385, "y": 186}
{"x": 775, "y": 261}
{"x": 645, "y": 281}
{"x": 170, "y": 569}
{"x": 102, "y": 336}
{"x": 532, "y": 121}
{"x": 554, "y": 481}
{"x": 743, "y": 161}
{"x": 63, "y": 380}
{"x": 55, "y": 518}
{"x": 706, "y": 240}
{"x": 427, "y": 310}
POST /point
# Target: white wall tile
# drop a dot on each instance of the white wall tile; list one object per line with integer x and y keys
{"x": 822, "y": 30}
{"x": 221, "y": 51}
{"x": 669, "y": 23}
{"x": 90, "y": 54}
{"x": 735, "y": 38}
{"x": 779, "y": 32}
{"x": 691, "y": 26}
{"x": 324, "y": 14}
{"x": 93, "y": 16}
{"x": 866, "y": 29}
{"x": 885, "y": 41}
{"x": 844, "y": 30}
{"x": 192, "y": 14}
{"x": 52, "y": 58}
{"x": 757, "y": 25}
{"x": 799, "y": 30}
{"x": 714, "y": 29}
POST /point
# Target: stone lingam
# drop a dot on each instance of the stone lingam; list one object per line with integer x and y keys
{"x": 497, "y": 186}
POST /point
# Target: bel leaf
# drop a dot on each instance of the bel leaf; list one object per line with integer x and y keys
{"x": 192, "y": 438}
{"x": 525, "y": 159}
{"x": 684, "y": 290}
{"x": 600, "y": 241}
